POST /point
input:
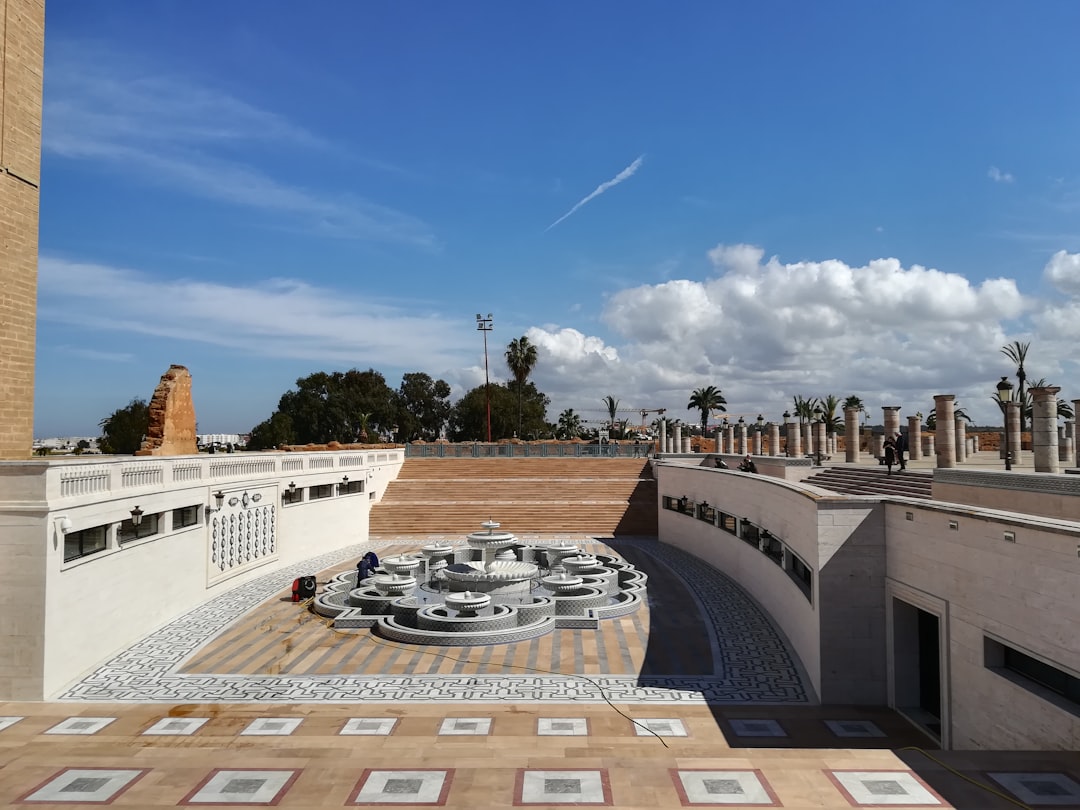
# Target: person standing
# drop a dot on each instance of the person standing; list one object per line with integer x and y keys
{"x": 889, "y": 450}
{"x": 901, "y": 449}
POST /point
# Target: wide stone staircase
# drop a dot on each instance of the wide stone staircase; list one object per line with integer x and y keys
{"x": 873, "y": 481}
{"x": 526, "y": 495}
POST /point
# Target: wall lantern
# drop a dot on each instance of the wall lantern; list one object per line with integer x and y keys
{"x": 219, "y": 497}
{"x": 760, "y": 421}
{"x": 787, "y": 417}
{"x": 292, "y": 487}
{"x": 136, "y": 516}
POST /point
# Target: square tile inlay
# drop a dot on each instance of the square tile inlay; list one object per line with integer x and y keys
{"x": 176, "y": 726}
{"x": 562, "y": 727}
{"x": 854, "y": 728}
{"x": 649, "y": 727}
{"x": 8, "y": 722}
{"x": 272, "y": 726}
{"x": 80, "y": 725}
{"x": 85, "y": 785}
{"x": 370, "y": 726}
{"x": 477, "y": 726}
{"x": 881, "y": 788}
{"x": 563, "y": 787}
{"x": 402, "y": 787}
{"x": 757, "y": 728}
{"x": 709, "y": 788}
{"x": 242, "y": 786}
{"x": 1044, "y": 789}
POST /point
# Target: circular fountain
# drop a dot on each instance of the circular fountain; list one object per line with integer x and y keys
{"x": 562, "y": 582}
{"x": 496, "y": 572}
{"x": 467, "y": 603}
{"x": 394, "y": 584}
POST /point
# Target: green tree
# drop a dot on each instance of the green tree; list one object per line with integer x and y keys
{"x": 804, "y": 407}
{"x": 706, "y": 400}
{"x": 272, "y": 433}
{"x": 570, "y": 424}
{"x": 1017, "y": 352}
{"x": 958, "y": 413}
{"x": 423, "y": 406}
{"x": 123, "y": 430}
{"x": 326, "y": 407}
{"x": 468, "y": 417}
{"x": 521, "y": 360}
{"x": 834, "y": 423}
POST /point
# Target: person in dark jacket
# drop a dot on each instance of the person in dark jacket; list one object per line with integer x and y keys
{"x": 748, "y": 465}
{"x": 889, "y": 451}
{"x": 901, "y": 449}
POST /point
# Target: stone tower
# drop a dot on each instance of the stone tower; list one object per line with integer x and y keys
{"x": 22, "y": 46}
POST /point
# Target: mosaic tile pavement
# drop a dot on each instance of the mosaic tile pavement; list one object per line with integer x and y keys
{"x": 750, "y": 661}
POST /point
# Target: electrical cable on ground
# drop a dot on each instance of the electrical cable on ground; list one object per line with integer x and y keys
{"x": 968, "y": 779}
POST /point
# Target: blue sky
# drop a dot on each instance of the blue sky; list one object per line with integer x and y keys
{"x": 776, "y": 199}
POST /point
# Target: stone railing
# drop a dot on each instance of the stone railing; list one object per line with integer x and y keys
{"x": 623, "y": 449}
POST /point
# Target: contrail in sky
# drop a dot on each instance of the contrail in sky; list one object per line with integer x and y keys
{"x": 625, "y": 174}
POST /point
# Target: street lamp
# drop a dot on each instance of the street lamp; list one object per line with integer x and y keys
{"x": 789, "y": 449}
{"x": 1004, "y": 389}
{"x": 485, "y": 325}
{"x": 819, "y": 417}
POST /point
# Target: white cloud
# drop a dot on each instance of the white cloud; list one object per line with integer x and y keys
{"x": 765, "y": 330}
{"x": 1063, "y": 271}
{"x": 282, "y": 318}
{"x": 625, "y": 174}
{"x": 998, "y": 176}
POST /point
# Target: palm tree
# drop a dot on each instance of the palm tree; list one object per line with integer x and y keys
{"x": 569, "y": 424}
{"x": 1017, "y": 352}
{"x": 521, "y": 360}
{"x": 612, "y": 406}
{"x": 958, "y": 413}
{"x": 706, "y": 400}
{"x": 804, "y": 407}
{"x": 1028, "y": 405}
{"x": 833, "y": 423}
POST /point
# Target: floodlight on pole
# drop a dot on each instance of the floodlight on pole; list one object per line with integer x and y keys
{"x": 485, "y": 325}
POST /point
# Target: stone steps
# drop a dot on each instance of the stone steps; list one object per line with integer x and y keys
{"x": 872, "y": 481}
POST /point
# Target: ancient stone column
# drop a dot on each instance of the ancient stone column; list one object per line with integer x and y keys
{"x": 774, "y": 439}
{"x": 794, "y": 443}
{"x": 851, "y": 435}
{"x": 914, "y": 438}
{"x": 974, "y": 439}
{"x": 719, "y": 436}
{"x": 819, "y": 447}
{"x": 891, "y": 419}
{"x": 960, "y": 437}
{"x": 945, "y": 435}
{"x": 685, "y": 444}
{"x": 808, "y": 438}
{"x": 729, "y": 442}
{"x": 1012, "y": 426}
{"x": 744, "y": 448}
{"x": 877, "y": 445}
{"x": 1070, "y": 434}
{"x": 1044, "y": 437}
{"x": 663, "y": 436}
{"x": 928, "y": 445}
{"x": 1064, "y": 445}
{"x": 757, "y": 442}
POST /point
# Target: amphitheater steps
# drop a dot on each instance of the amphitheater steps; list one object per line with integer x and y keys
{"x": 525, "y": 495}
{"x": 872, "y": 481}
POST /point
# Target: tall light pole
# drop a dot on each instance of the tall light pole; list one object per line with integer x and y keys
{"x": 819, "y": 417}
{"x": 1004, "y": 390}
{"x": 485, "y": 325}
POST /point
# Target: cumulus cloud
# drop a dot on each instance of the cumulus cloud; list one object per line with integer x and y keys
{"x": 764, "y": 330}
{"x": 998, "y": 176}
{"x": 1063, "y": 271}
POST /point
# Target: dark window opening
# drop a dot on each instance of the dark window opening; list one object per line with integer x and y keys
{"x": 185, "y": 516}
{"x": 148, "y": 527}
{"x": 86, "y": 542}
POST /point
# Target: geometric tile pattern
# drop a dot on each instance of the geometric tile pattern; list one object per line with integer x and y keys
{"x": 176, "y": 726}
{"x": 1040, "y": 789}
{"x": 854, "y": 728}
{"x": 84, "y": 786}
{"x": 80, "y": 725}
{"x": 242, "y": 786}
{"x": 272, "y": 727}
{"x": 757, "y": 728}
{"x": 563, "y": 787}
{"x": 369, "y": 726}
{"x": 750, "y": 655}
{"x": 562, "y": 727}
{"x": 7, "y": 722}
{"x": 403, "y": 787}
{"x": 466, "y": 726}
{"x": 884, "y": 788}
{"x": 718, "y": 788}
{"x": 652, "y": 727}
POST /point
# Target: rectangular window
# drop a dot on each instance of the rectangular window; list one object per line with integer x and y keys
{"x": 800, "y": 574}
{"x": 749, "y": 532}
{"x": 323, "y": 491}
{"x": 772, "y": 548}
{"x": 351, "y": 488}
{"x": 728, "y": 523}
{"x": 85, "y": 542}
{"x": 185, "y": 516}
{"x": 292, "y": 495}
{"x": 706, "y": 512}
{"x": 148, "y": 527}
{"x": 1046, "y": 680}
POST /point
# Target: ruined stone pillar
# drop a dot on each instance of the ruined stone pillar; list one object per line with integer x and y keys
{"x": 740, "y": 437}
{"x": 914, "y": 438}
{"x": 1012, "y": 426}
{"x": 877, "y": 445}
{"x": 794, "y": 443}
{"x": 819, "y": 446}
{"x": 686, "y": 445}
{"x": 851, "y": 435}
{"x": 928, "y": 445}
{"x": 757, "y": 442}
{"x": 774, "y": 439}
{"x": 663, "y": 436}
{"x": 960, "y": 437}
{"x": 1064, "y": 445}
{"x": 891, "y": 419}
{"x": 945, "y": 437}
{"x": 1044, "y": 438}
{"x": 1070, "y": 435}
{"x": 719, "y": 438}
{"x": 678, "y": 438}
{"x": 974, "y": 439}
{"x": 729, "y": 441}
{"x": 808, "y": 438}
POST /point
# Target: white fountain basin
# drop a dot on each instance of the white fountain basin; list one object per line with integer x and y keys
{"x": 394, "y": 584}
{"x": 467, "y": 601}
{"x": 559, "y": 583}
{"x": 497, "y": 571}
